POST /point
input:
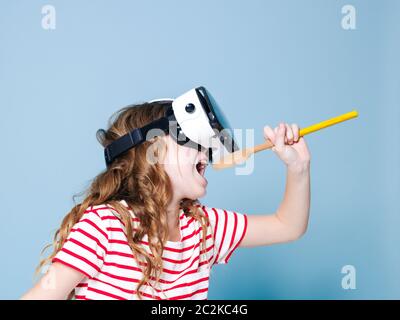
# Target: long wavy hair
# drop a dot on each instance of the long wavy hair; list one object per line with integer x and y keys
{"x": 146, "y": 188}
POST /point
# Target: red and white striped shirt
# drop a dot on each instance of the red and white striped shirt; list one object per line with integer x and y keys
{"x": 97, "y": 247}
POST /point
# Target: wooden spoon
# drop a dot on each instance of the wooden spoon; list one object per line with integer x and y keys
{"x": 241, "y": 156}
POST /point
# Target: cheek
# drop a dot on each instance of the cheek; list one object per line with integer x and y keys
{"x": 178, "y": 174}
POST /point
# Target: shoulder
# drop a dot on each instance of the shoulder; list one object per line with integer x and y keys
{"x": 104, "y": 215}
{"x": 214, "y": 212}
{"x": 216, "y": 215}
{"x": 106, "y": 210}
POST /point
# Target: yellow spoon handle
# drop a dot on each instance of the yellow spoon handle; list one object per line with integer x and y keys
{"x": 315, "y": 127}
{"x": 329, "y": 122}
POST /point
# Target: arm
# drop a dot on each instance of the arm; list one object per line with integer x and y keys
{"x": 290, "y": 220}
{"x": 56, "y": 284}
{"x": 82, "y": 255}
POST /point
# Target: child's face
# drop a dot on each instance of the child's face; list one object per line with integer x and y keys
{"x": 182, "y": 166}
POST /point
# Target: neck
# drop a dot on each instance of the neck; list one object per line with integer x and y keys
{"x": 173, "y": 210}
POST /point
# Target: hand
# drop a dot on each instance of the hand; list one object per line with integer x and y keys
{"x": 288, "y": 145}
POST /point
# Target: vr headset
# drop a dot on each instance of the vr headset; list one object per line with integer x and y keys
{"x": 193, "y": 119}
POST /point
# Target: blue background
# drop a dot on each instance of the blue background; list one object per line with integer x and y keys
{"x": 265, "y": 62}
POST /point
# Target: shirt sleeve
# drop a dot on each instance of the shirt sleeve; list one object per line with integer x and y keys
{"x": 228, "y": 229}
{"x": 86, "y": 245}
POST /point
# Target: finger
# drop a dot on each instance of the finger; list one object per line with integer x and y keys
{"x": 296, "y": 132}
{"x": 280, "y": 137}
{"x": 269, "y": 134}
{"x": 289, "y": 133}
{"x": 302, "y": 148}
{"x": 276, "y": 131}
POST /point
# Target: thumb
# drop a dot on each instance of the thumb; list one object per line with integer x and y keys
{"x": 269, "y": 134}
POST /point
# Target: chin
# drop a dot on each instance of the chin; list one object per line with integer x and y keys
{"x": 202, "y": 194}
{"x": 197, "y": 194}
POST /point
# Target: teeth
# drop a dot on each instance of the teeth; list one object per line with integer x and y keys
{"x": 201, "y": 165}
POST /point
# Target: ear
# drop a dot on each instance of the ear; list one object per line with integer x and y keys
{"x": 163, "y": 144}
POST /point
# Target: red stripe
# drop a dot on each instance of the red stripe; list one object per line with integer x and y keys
{"x": 179, "y": 250}
{"x": 186, "y": 284}
{"x": 90, "y": 237}
{"x": 129, "y": 255}
{"x": 113, "y": 218}
{"x": 107, "y": 294}
{"x": 119, "y": 241}
{"x": 119, "y": 277}
{"x": 122, "y": 254}
{"x": 187, "y": 224}
{"x": 223, "y": 235}
{"x": 164, "y": 269}
{"x": 169, "y": 248}
{"x": 71, "y": 266}
{"x": 176, "y": 261}
{"x": 233, "y": 234}
{"x": 106, "y": 207}
{"x": 205, "y": 211}
{"x": 127, "y": 290}
{"x": 116, "y": 229}
{"x": 189, "y": 294}
{"x": 124, "y": 242}
{"x": 83, "y": 259}
{"x": 110, "y": 218}
{"x": 150, "y": 296}
{"x": 192, "y": 234}
{"x": 82, "y": 285}
{"x": 176, "y": 249}
{"x": 130, "y": 279}
{"x": 182, "y": 261}
{"x": 115, "y": 286}
{"x": 80, "y": 244}
{"x": 234, "y": 230}
{"x": 180, "y": 271}
{"x": 80, "y": 297}
{"x": 94, "y": 225}
{"x": 91, "y": 211}
{"x": 122, "y": 266}
{"x": 216, "y": 224}
{"x": 189, "y": 272}
{"x": 241, "y": 238}
{"x": 215, "y": 233}
{"x": 98, "y": 209}
{"x": 152, "y": 278}
{"x": 147, "y": 243}
{"x": 116, "y": 218}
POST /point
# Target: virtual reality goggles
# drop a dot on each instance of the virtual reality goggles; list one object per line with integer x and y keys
{"x": 193, "y": 119}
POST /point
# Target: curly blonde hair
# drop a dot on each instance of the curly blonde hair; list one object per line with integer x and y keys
{"x": 144, "y": 186}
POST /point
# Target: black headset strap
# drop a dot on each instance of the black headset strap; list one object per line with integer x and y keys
{"x": 136, "y": 137}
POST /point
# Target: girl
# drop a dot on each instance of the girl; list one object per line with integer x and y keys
{"x": 140, "y": 231}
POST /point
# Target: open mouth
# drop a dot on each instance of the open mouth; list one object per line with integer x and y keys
{"x": 201, "y": 167}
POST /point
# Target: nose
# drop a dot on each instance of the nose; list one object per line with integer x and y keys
{"x": 206, "y": 153}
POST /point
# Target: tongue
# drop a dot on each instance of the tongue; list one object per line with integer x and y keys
{"x": 199, "y": 168}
